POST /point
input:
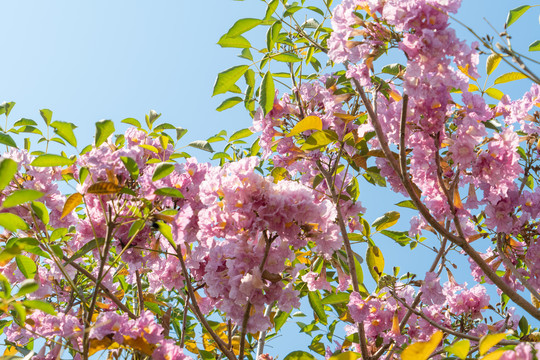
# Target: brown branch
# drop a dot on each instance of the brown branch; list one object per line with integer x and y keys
{"x": 350, "y": 254}
{"x": 268, "y": 242}
{"x": 139, "y": 291}
{"x": 194, "y": 306}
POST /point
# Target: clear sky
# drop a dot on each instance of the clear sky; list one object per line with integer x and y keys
{"x": 103, "y": 59}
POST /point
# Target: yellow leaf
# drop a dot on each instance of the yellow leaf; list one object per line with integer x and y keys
{"x": 10, "y": 350}
{"x": 495, "y": 355}
{"x": 104, "y": 187}
{"x": 465, "y": 70}
{"x": 140, "y": 344}
{"x": 375, "y": 262}
{"x": 395, "y": 95}
{"x": 307, "y": 123}
{"x": 103, "y": 344}
{"x": 535, "y": 301}
{"x": 488, "y": 341}
{"x": 71, "y": 203}
{"x": 422, "y": 350}
{"x": 492, "y": 62}
{"x": 191, "y": 346}
{"x": 495, "y": 93}
{"x": 460, "y": 348}
{"x": 347, "y": 117}
{"x": 473, "y": 87}
{"x": 457, "y": 200}
{"x": 348, "y": 355}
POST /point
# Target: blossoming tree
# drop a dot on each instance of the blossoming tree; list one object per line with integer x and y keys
{"x": 133, "y": 249}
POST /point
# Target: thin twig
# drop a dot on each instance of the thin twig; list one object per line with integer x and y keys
{"x": 350, "y": 254}
{"x": 194, "y": 306}
{"x": 508, "y": 264}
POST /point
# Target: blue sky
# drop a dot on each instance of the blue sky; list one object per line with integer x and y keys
{"x": 100, "y": 59}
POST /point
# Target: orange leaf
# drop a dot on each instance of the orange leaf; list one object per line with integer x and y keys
{"x": 103, "y": 344}
{"x": 140, "y": 344}
{"x": 104, "y": 187}
{"x": 71, "y": 203}
{"x": 457, "y": 200}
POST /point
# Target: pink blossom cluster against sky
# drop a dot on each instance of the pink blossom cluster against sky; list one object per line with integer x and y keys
{"x": 103, "y": 60}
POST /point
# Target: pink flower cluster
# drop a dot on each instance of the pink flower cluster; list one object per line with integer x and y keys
{"x": 117, "y": 328}
{"x": 441, "y": 304}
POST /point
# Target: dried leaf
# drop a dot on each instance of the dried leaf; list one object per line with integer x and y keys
{"x": 71, "y": 203}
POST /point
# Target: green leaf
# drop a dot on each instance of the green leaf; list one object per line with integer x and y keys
{"x": 280, "y": 319}
{"x": 46, "y": 114}
{"x": 271, "y": 9}
{"x": 19, "y": 313}
{"x": 132, "y": 121}
{"x": 180, "y": 132}
{"x": 227, "y": 41}
{"x": 7, "y": 140}
{"x": 24, "y": 122}
{"x": 169, "y": 191}
{"x": 387, "y": 220}
{"x": 12, "y": 222}
{"x": 299, "y": 355}
{"x": 535, "y": 46}
{"x": 162, "y": 170}
{"x": 316, "y": 304}
{"x": 26, "y": 265}
{"x": 316, "y": 9}
{"x": 272, "y": 35}
{"x": 206, "y": 355}
{"x": 246, "y": 54}
{"x": 89, "y": 246}
{"x": 348, "y": 355}
{"x": 492, "y": 62}
{"x": 291, "y": 10}
{"x": 268, "y": 93}
{"x": 339, "y": 298}
{"x": 240, "y": 134}
{"x": 131, "y": 166}
{"x": 41, "y": 211}
{"x": 489, "y": 341}
{"x": 50, "y": 160}
{"x": 65, "y": 131}
{"x": 286, "y": 57}
{"x": 104, "y": 129}
{"x": 19, "y": 197}
{"x": 393, "y": 69}
{"x": 201, "y": 145}
{"x": 166, "y": 231}
{"x": 515, "y": 14}
{"x": 319, "y": 139}
{"x": 400, "y": 237}
{"x": 40, "y": 305}
{"x": 407, "y": 204}
{"x": 26, "y": 287}
{"x": 243, "y": 25}
{"x": 375, "y": 262}
{"x": 8, "y": 169}
{"x": 226, "y": 79}
{"x": 459, "y": 348}
{"x": 6, "y": 107}
{"x": 229, "y": 103}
